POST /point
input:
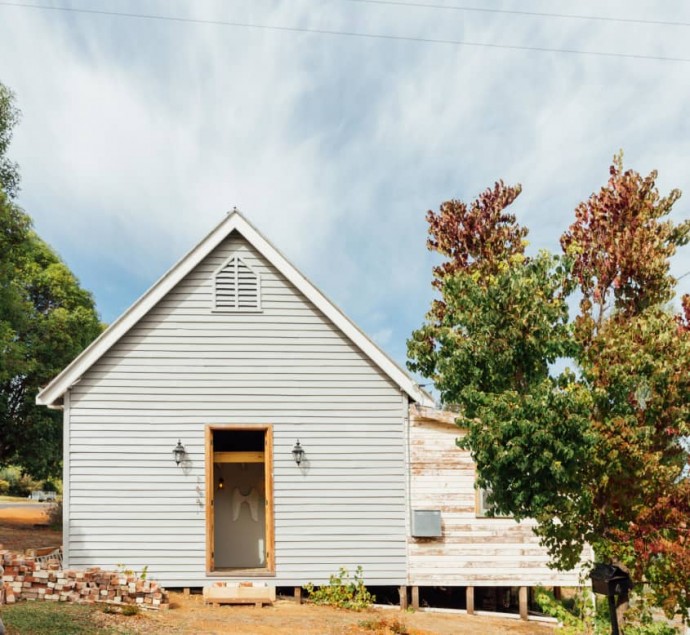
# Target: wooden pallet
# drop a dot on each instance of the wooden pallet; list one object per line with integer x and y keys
{"x": 239, "y": 593}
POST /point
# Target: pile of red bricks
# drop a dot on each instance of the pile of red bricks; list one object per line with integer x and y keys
{"x": 25, "y": 579}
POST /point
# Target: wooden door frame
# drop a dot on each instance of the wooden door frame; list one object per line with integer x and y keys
{"x": 269, "y": 569}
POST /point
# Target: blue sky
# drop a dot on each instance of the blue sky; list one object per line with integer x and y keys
{"x": 138, "y": 135}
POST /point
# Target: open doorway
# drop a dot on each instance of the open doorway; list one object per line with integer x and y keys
{"x": 239, "y": 499}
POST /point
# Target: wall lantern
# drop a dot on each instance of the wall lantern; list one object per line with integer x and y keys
{"x": 179, "y": 452}
{"x": 298, "y": 453}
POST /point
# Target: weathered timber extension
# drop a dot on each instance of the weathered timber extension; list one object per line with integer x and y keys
{"x": 473, "y": 550}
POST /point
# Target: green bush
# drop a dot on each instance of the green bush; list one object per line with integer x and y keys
{"x": 342, "y": 591}
{"x": 11, "y": 476}
{"x": 19, "y": 484}
{"x": 579, "y": 617}
{"x": 55, "y": 515}
{"x": 52, "y": 485}
{"x": 4, "y": 487}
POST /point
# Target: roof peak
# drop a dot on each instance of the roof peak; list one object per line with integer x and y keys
{"x": 234, "y": 221}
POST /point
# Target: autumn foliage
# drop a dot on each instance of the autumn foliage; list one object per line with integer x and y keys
{"x": 597, "y": 455}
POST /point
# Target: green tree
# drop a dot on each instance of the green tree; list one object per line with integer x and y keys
{"x": 595, "y": 457}
{"x": 46, "y": 319}
{"x": 9, "y": 116}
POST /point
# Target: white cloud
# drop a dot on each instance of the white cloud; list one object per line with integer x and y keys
{"x": 138, "y": 135}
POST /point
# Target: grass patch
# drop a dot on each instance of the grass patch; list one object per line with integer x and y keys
{"x": 40, "y": 618}
{"x": 17, "y": 499}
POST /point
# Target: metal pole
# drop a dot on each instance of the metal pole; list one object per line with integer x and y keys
{"x": 612, "y": 614}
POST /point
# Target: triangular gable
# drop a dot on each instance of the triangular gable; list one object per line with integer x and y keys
{"x": 51, "y": 394}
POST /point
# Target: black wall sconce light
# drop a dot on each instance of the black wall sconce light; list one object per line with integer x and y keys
{"x": 179, "y": 452}
{"x": 298, "y": 452}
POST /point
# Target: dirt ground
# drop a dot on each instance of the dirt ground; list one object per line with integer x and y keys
{"x": 18, "y": 531}
{"x": 188, "y": 615}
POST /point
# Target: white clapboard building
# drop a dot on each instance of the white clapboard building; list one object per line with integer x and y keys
{"x": 234, "y": 424}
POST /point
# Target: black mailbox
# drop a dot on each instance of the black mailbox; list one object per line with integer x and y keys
{"x": 608, "y": 579}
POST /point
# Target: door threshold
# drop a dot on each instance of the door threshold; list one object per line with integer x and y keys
{"x": 242, "y": 573}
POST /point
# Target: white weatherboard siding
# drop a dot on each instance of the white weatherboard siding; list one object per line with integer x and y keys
{"x": 473, "y": 551}
{"x": 183, "y": 366}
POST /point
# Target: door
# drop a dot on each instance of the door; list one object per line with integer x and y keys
{"x": 239, "y": 494}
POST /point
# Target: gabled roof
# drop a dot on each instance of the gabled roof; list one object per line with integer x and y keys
{"x": 51, "y": 394}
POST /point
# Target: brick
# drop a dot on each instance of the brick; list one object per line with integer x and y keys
{"x": 23, "y": 578}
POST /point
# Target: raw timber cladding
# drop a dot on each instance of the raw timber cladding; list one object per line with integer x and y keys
{"x": 174, "y": 365}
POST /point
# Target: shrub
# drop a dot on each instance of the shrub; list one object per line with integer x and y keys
{"x": 122, "y": 609}
{"x": 54, "y": 514}
{"x": 384, "y": 626}
{"x": 580, "y": 617}
{"x": 342, "y": 591}
{"x": 130, "y": 609}
{"x": 19, "y": 484}
{"x": 4, "y": 487}
{"x": 124, "y": 570}
{"x": 52, "y": 485}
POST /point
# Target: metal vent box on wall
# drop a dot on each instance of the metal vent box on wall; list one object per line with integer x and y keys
{"x": 426, "y": 523}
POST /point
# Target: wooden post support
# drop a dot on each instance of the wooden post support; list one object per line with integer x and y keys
{"x": 403, "y": 598}
{"x": 298, "y": 594}
{"x": 469, "y": 600}
{"x": 522, "y": 598}
{"x": 415, "y": 598}
{"x": 557, "y": 592}
{"x": 186, "y": 590}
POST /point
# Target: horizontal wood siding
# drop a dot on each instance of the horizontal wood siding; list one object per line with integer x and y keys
{"x": 473, "y": 551}
{"x": 184, "y": 366}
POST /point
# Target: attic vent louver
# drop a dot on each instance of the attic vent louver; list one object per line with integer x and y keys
{"x": 237, "y": 287}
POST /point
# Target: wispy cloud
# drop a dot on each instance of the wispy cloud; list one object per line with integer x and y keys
{"x": 138, "y": 135}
